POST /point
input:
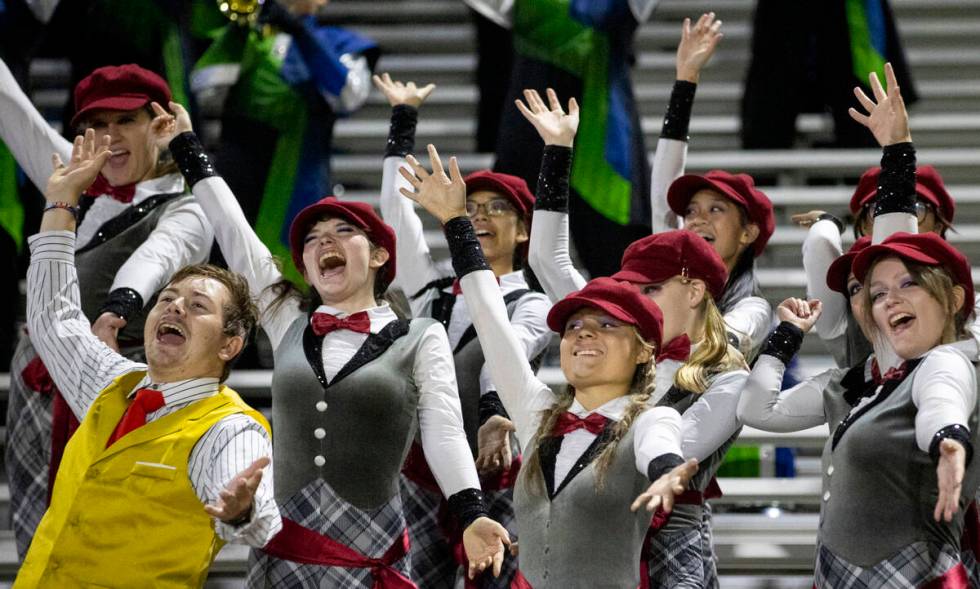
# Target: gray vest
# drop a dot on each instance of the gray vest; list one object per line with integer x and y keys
{"x": 879, "y": 489}
{"x": 690, "y": 516}
{"x": 98, "y": 261}
{"x": 358, "y": 441}
{"x": 582, "y": 537}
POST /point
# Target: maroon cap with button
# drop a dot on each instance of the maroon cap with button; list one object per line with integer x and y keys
{"x": 739, "y": 188}
{"x": 621, "y": 300}
{"x": 840, "y": 269}
{"x": 119, "y": 87}
{"x": 923, "y": 248}
{"x": 661, "y": 256}
{"x": 360, "y": 214}
{"x": 929, "y": 187}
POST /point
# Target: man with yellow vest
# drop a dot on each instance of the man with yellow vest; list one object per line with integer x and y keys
{"x": 168, "y": 463}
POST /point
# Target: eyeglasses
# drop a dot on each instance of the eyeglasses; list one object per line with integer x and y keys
{"x": 922, "y": 208}
{"x": 492, "y": 208}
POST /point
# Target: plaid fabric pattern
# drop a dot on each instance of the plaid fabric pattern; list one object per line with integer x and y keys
{"x": 28, "y": 450}
{"x": 708, "y": 548}
{"x": 912, "y": 566}
{"x": 318, "y": 507}
{"x": 676, "y": 560}
{"x": 432, "y": 557}
{"x": 969, "y": 561}
{"x": 500, "y": 507}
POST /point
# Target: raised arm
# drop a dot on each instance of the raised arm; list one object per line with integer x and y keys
{"x": 79, "y": 363}
{"x": 523, "y": 395}
{"x": 548, "y": 251}
{"x": 762, "y": 405}
{"x": 416, "y": 268}
{"x": 696, "y": 47}
{"x": 29, "y": 137}
{"x": 242, "y": 248}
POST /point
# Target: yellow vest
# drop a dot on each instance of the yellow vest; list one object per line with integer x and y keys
{"x": 127, "y": 515}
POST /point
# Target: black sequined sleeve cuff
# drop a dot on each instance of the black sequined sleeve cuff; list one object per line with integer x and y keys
{"x": 556, "y": 167}
{"x": 491, "y": 405}
{"x": 464, "y": 247}
{"x": 189, "y": 154}
{"x": 124, "y": 302}
{"x": 401, "y": 133}
{"x": 832, "y": 219}
{"x": 678, "y": 116}
{"x": 957, "y": 432}
{"x": 663, "y": 464}
{"x": 896, "y": 184}
{"x": 784, "y": 342}
{"x": 467, "y": 505}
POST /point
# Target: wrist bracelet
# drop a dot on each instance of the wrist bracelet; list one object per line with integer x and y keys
{"x": 62, "y": 205}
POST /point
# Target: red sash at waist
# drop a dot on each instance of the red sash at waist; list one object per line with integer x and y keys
{"x": 299, "y": 544}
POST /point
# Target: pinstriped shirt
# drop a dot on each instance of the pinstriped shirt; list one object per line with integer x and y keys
{"x": 82, "y": 366}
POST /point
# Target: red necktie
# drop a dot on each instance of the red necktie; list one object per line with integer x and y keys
{"x": 123, "y": 193}
{"x": 896, "y": 373}
{"x": 678, "y": 348}
{"x": 147, "y": 401}
{"x": 569, "y": 422}
{"x": 324, "y": 323}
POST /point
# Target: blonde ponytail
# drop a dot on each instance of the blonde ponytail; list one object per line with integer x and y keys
{"x": 713, "y": 356}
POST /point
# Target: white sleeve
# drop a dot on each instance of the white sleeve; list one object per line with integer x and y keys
{"x": 225, "y": 450}
{"x": 440, "y": 417}
{"x": 750, "y": 320}
{"x": 669, "y": 163}
{"x": 763, "y": 406}
{"x": 712, "y": 419}
{"x": 245, "y": 254}
{"x": 890, "y": 223}
{"x": 523, "y": 395}
{"x": 356, "y": 88}
{"x": 183, "y": 236}
{"x": 30, "y": 138}
{"x": 530, "y": 323}
{"x": 820, "y": 248}
{"x": 656, "y": 431}
{"x": 499, "y": 11}
{"x": 79, "y": 363}
{"x": 971, "y": 347}
{"x": 944, "y": 392}
{"x": 549, "y": 257}
{"x": 416, "y": 268}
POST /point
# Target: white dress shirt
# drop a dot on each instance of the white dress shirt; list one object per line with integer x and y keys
{"x": 440, "y": 417}
{"x": 82, "y": 366}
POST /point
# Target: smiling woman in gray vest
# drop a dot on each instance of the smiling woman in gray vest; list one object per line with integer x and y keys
{"x": 593, "y": 450}
{"x": 352, "y": 384}
{"x": 500, "y": 206}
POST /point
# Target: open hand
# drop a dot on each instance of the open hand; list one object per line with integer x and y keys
{"x": 484, "y": 542}
{"x": 887, "y": 118}
{"x": 235, "y": 500}
{"x": 801, "y": 313}
{"x": 697, "y": 45}
{"x": 68, "y": 182}
{"x": 949, "y": 471}
{"x": 661, "y": 492}
{"x": 551, "y": 122}
{"x": 493, "y": 445}
{"x": 443, "y": 196}
{"x": 107, "y": 327}
{"x": 806, "y": 219}
{"x": 399, "y": 93}
{"x": 166, "y": 126}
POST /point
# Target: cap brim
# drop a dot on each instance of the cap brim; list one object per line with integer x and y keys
{"x": 637, "y": 277}
{"x": 683, "y": 189}
{"x": 567, "y": 307}
{"x": 872, "y": 253}
{"x": 838, "y": 272}
{"x": 110, "y": 103}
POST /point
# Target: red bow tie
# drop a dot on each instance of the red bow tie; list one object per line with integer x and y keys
{"x": 569, "y": 422}
{"x": 123, "y": 193}
{"x": 324, "y": 323}
{"x": 678, "y": 348}
{"x": 147, "y": 401}
{"x": 896, "y": 373}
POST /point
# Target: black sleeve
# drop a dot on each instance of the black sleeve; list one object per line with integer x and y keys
{"x": 467, "y": 505}
{"x": 491, "y": 405}
{"x": 124, "y": 302}
{"x": 896, "y": 183}
{"x": 193, "y": 162}
{"x": 957, "y": 432}
{"x": 678, "y": 116}
{"x": 556, "y": 167}
{"x": 663, "y": 464}
{"x": 401, "y": 133}
{"x": 464, "y": 247}
{"x": 784, "y": 342}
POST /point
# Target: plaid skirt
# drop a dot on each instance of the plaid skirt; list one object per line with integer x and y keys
{"x": 433, "y": 563}
{"x": 910, "y": 567}
{"x": 683, "y": 558}
{"x": 318, "y": 507}
{"x": 28, "y": 450}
